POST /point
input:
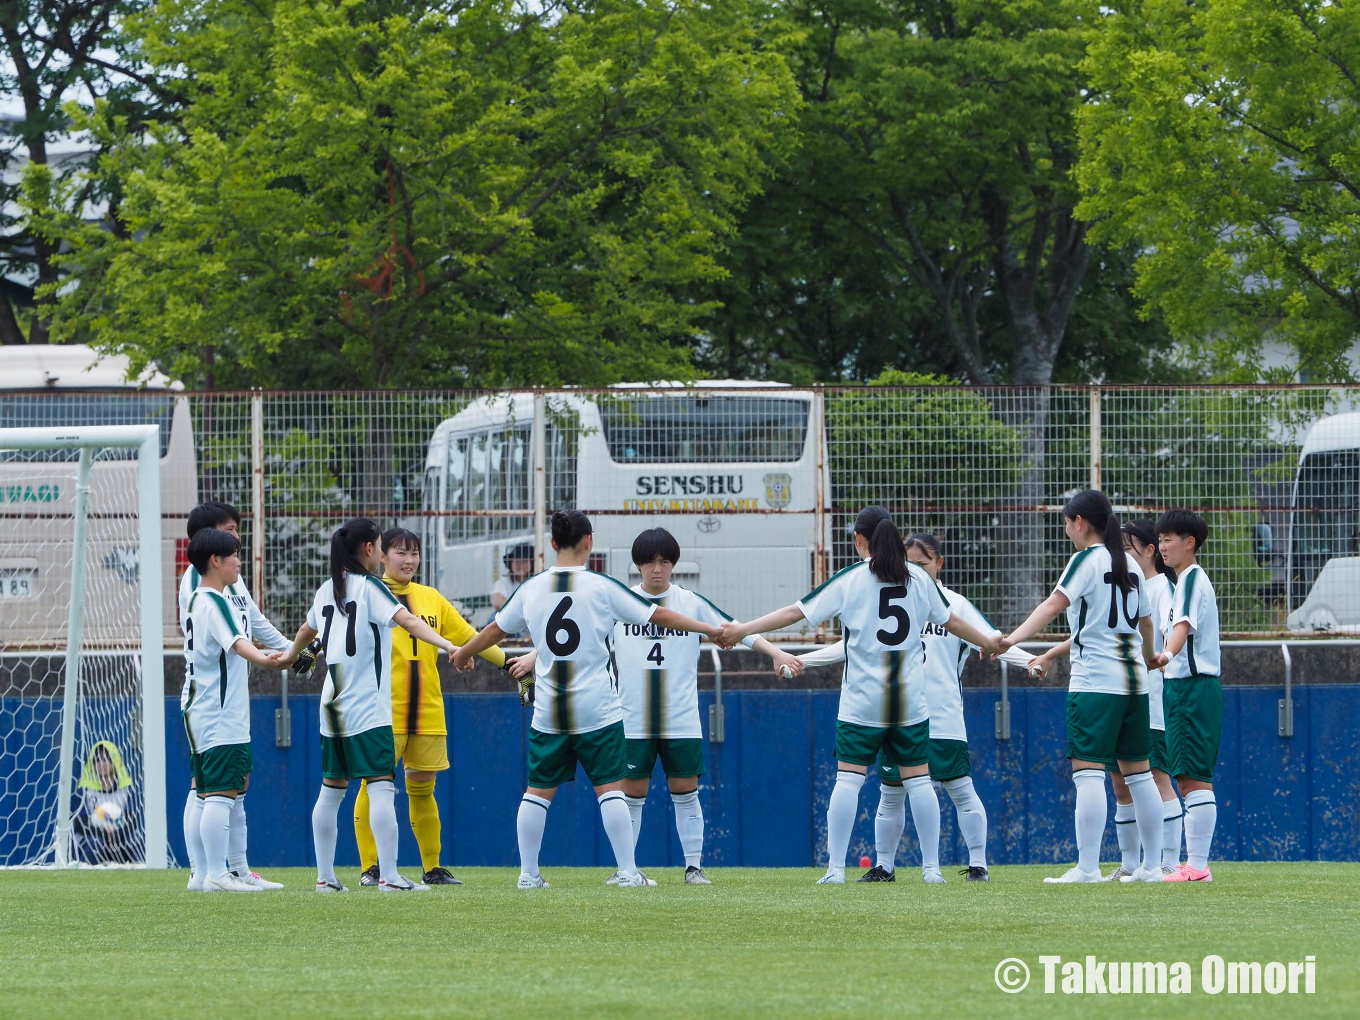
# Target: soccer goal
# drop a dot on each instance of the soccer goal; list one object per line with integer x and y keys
{"x": 82, "y": 686}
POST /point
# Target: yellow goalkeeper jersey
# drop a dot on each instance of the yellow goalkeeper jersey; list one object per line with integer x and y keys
{"x": 417, "y": 701}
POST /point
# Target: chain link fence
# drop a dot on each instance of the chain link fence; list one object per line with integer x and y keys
{"x": 759, "y": 484}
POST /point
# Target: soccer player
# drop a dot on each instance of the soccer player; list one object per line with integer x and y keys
{"x": 354, "y": 613}
{"x": 418, "y": 725}
{"x": 570, "y": 613}
{"x": 1193, "y": 692}
{"x": 883, "y": 603}
{"x": 256, "y": 626}
{"x": 1107, "y": 704}
{"x": 215, "y": 703}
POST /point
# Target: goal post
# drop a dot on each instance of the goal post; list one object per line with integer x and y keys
{"x": 111, "y": 692}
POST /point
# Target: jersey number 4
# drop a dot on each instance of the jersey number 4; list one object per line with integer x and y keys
{"x": 328, "y": 612}
{"x": 887, "y": 611}
{"x": 655, "y": 654}
{"x": 564, "y": 637}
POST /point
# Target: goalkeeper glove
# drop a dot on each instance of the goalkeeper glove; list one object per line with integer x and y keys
{"x": 306, "y": 660}
{"x": 526, "y": 684}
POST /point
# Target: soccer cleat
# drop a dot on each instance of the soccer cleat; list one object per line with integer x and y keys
{"x": 696, "y": 876}
{"x": 1117, "y": 875}
{"x": 228, "y": 883}
{"x": 370, "y": 876}
{"x": 976, "y": 873}
{"x": 1144, "y": 875}
{"x": 832, "y": 878}
{"x": 634, "y": 880}
{"x": 613, "y": 879}
{"x": 878, "y": 873}
{"x": 256, "y": 879}
{"x": 1185, "y": 873}
{"x": 328, "y": 887}
{"x": 402, "y": 884}
{"x": 932, "y": 876}
{"x": 1074, "y": 875}
{"x": 531, "y": 882}
{"x": 195, "y": 883}
{"x": 440, "y": 876}
{"x": 1170, "y": 869}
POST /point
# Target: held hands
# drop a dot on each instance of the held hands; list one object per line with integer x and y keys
{"x": 1038, "y": 666}
{"x": 461, "y": 659}
{"x": 994, "y": 645}
{"x": 520, "y": 666}
{"x": 729, "y": 635}
{"x": 787, "y": 666}
{"x": 1003, "y": 644}
{"x": 1158, "y": 661}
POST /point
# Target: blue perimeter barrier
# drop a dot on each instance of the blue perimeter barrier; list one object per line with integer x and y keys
{"x": 765, "y": 793}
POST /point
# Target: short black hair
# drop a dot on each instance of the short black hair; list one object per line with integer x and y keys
{"x": 1183, "y": 523}
{"x": 400, "y": 538}
{"x": 212, "y": 515}
{"x": 569, "y": 528}
{"x": 210, "y": 542}
{"x": 655, "y": 542}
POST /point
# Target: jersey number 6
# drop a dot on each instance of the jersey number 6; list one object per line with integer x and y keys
{"x": 888, "y": 611}
{"x": 563, "y": 635}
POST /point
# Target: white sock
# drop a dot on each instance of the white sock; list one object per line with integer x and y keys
{"x": 529, "y": 823}
{"x": 382, "y": 819}
{"x": 236, "y": 838}
{"x": 1126, "y": 835}
{"x": 840, "y": 817}
{"x": 925, "y": 815}
{"x": 635, "y": 806}
{"x": 689, "y": 825}
{"x": 619, "y": 828}
{"x": 214, "y": 824}
{"x": 193, "y": 839}
{"x": 972, "y": 818}
{"x": 1090, "y": 816}
{"x": 325, "y": 830}
{"x": 1171, "y": 831}
{"x": 1147, "y": 811}
{"x": 1201, "y": 816}
{"x": 889, "y": 823}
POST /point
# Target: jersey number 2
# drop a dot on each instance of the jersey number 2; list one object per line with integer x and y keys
{"x": 564, "y": 637}
{"x": 328, "y": 612}
{"x": 887, "y": 611}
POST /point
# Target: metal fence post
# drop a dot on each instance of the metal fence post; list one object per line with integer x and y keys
{"x": 1095, "y": 437}
{"x": 540, "y": 444}
{"x": 1286, "y": 710}
{"x": 820, "y": 564}
{"x": 715, "y": 711}
{"x": 1003, "y": 707}
{"x": 257, "y": 496}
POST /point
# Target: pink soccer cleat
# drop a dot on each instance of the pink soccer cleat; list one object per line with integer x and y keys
{"x": 1185, "y": 873}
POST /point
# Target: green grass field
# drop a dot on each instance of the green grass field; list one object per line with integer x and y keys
{"x": 96, "y": 945}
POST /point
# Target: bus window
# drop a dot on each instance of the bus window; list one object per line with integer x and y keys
{"x": 496, "y": 482}
{"x": 475, "y": 488}
{"x": 1326, "y": 519}
{"x": 50, "y": 410}
{"x": 430, "y": 502}
{"x": 453, "y": 488}
{"x": 561, "y": 469}
{"x": 695, "y": 428}
{"x": 518, "y": 495}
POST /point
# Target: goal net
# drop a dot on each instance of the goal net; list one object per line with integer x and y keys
{"x": 82, "y": 705}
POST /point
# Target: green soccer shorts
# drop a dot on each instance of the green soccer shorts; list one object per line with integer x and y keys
{"x": 1107, "y": 728}
{"x": 553, "y": 756}
{"x": 680, "y": 757}
{"x": 1194, "y": 722}
{"x": 224, "y": 767}
{"x": 904, "y": 746}
{"x": 365, "y": 755}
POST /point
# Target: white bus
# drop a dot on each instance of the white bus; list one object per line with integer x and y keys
{"x": 44, "y": 386}
{"x": 729, "y": 468}
{"x": 1324, "y": 529}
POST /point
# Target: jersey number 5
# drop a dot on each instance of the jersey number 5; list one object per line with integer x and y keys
{"x": 328, "y": 612}
{"x": 887, "y": 611}
{"x": 564, "y": 637}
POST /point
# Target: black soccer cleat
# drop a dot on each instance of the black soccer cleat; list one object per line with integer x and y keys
{"x": 878, "y": 874}
{"x": 440, "y": 876}
{"x": 369, "y": 877}
{"x": 975, "y": 874}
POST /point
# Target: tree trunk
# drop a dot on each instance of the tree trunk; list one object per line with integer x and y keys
{"x": 10, "y": 333}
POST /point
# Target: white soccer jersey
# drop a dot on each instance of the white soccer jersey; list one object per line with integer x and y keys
{"x": 357, "y": 642}
{"x": 1106, "y": 648}
{"x": 659, "y": 668}
{"x": 884, "y": 682}
{"x": 257, "y": 625}
{"x": 1195, "y": 602}
{"x": 945, "y": 657}
{"x": 1159, "y": 591}
{"x": 570, "y": 614}
{"x": 215, "y": 702}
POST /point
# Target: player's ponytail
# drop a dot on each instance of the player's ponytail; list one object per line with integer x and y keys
{"x": 1146, "y": 533}
{"x": 348, "y": 539}
{"x": 887, "y": 553}
{"x": 1092, "y": 507}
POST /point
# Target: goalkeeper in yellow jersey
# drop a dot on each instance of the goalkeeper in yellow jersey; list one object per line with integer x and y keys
{"x": 418, "y": 726}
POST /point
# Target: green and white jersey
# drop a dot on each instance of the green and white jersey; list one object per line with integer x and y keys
{"x": 884, "y": 679}
{"x": 257, "y": 625}
{"x": 570, "y": 613}
{"x": 1159, "y": 591}
{"x": 946, "y": 654}
{"x": 1194, "y": 602}
{"x": 659, "y": 668}
{"x": 215, "y": 702}
{"x": 1106, "y": 653}
{"x": 357, "y": 642}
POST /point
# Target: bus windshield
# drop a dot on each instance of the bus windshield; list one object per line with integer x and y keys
{"x": 57, "y": 410}
{"x": 1326, "y": 516}
{"x": 699, "y": 429}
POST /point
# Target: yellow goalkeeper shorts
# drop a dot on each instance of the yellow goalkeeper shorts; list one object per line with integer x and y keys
{"x": 423, "y": 752}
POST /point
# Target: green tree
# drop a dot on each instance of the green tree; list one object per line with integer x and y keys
{"x": 398, "y": 193}
{"x": 1226, "y": 145}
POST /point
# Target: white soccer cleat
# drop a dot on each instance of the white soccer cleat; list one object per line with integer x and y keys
{"x": 613, "y": 879}
{"x": 254, "y": 878}
{"x": 402, "y": 884}
{"x": 328, "y": 887}
{"x": 696, "y": 876}
{"x": 228, "y": 883}
{"x": 932, "y": 876}
{"x": 527, "y": 881}
{"x": 1118, "y": 874}
{"x": 832, "y": 878}
{"x": 634, "y": 880}
{"x": 1074, "y": 875}
{"x": 1144, "y": 875}
{"x": 195, "y": 883}
{"x": 1170, "y": 869}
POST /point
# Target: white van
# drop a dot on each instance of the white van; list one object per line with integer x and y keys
{"x": 1324, "y": 530}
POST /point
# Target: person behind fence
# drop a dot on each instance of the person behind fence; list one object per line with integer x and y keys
{"x": 107, "y": 825}
{"x": 518, "y": 561}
